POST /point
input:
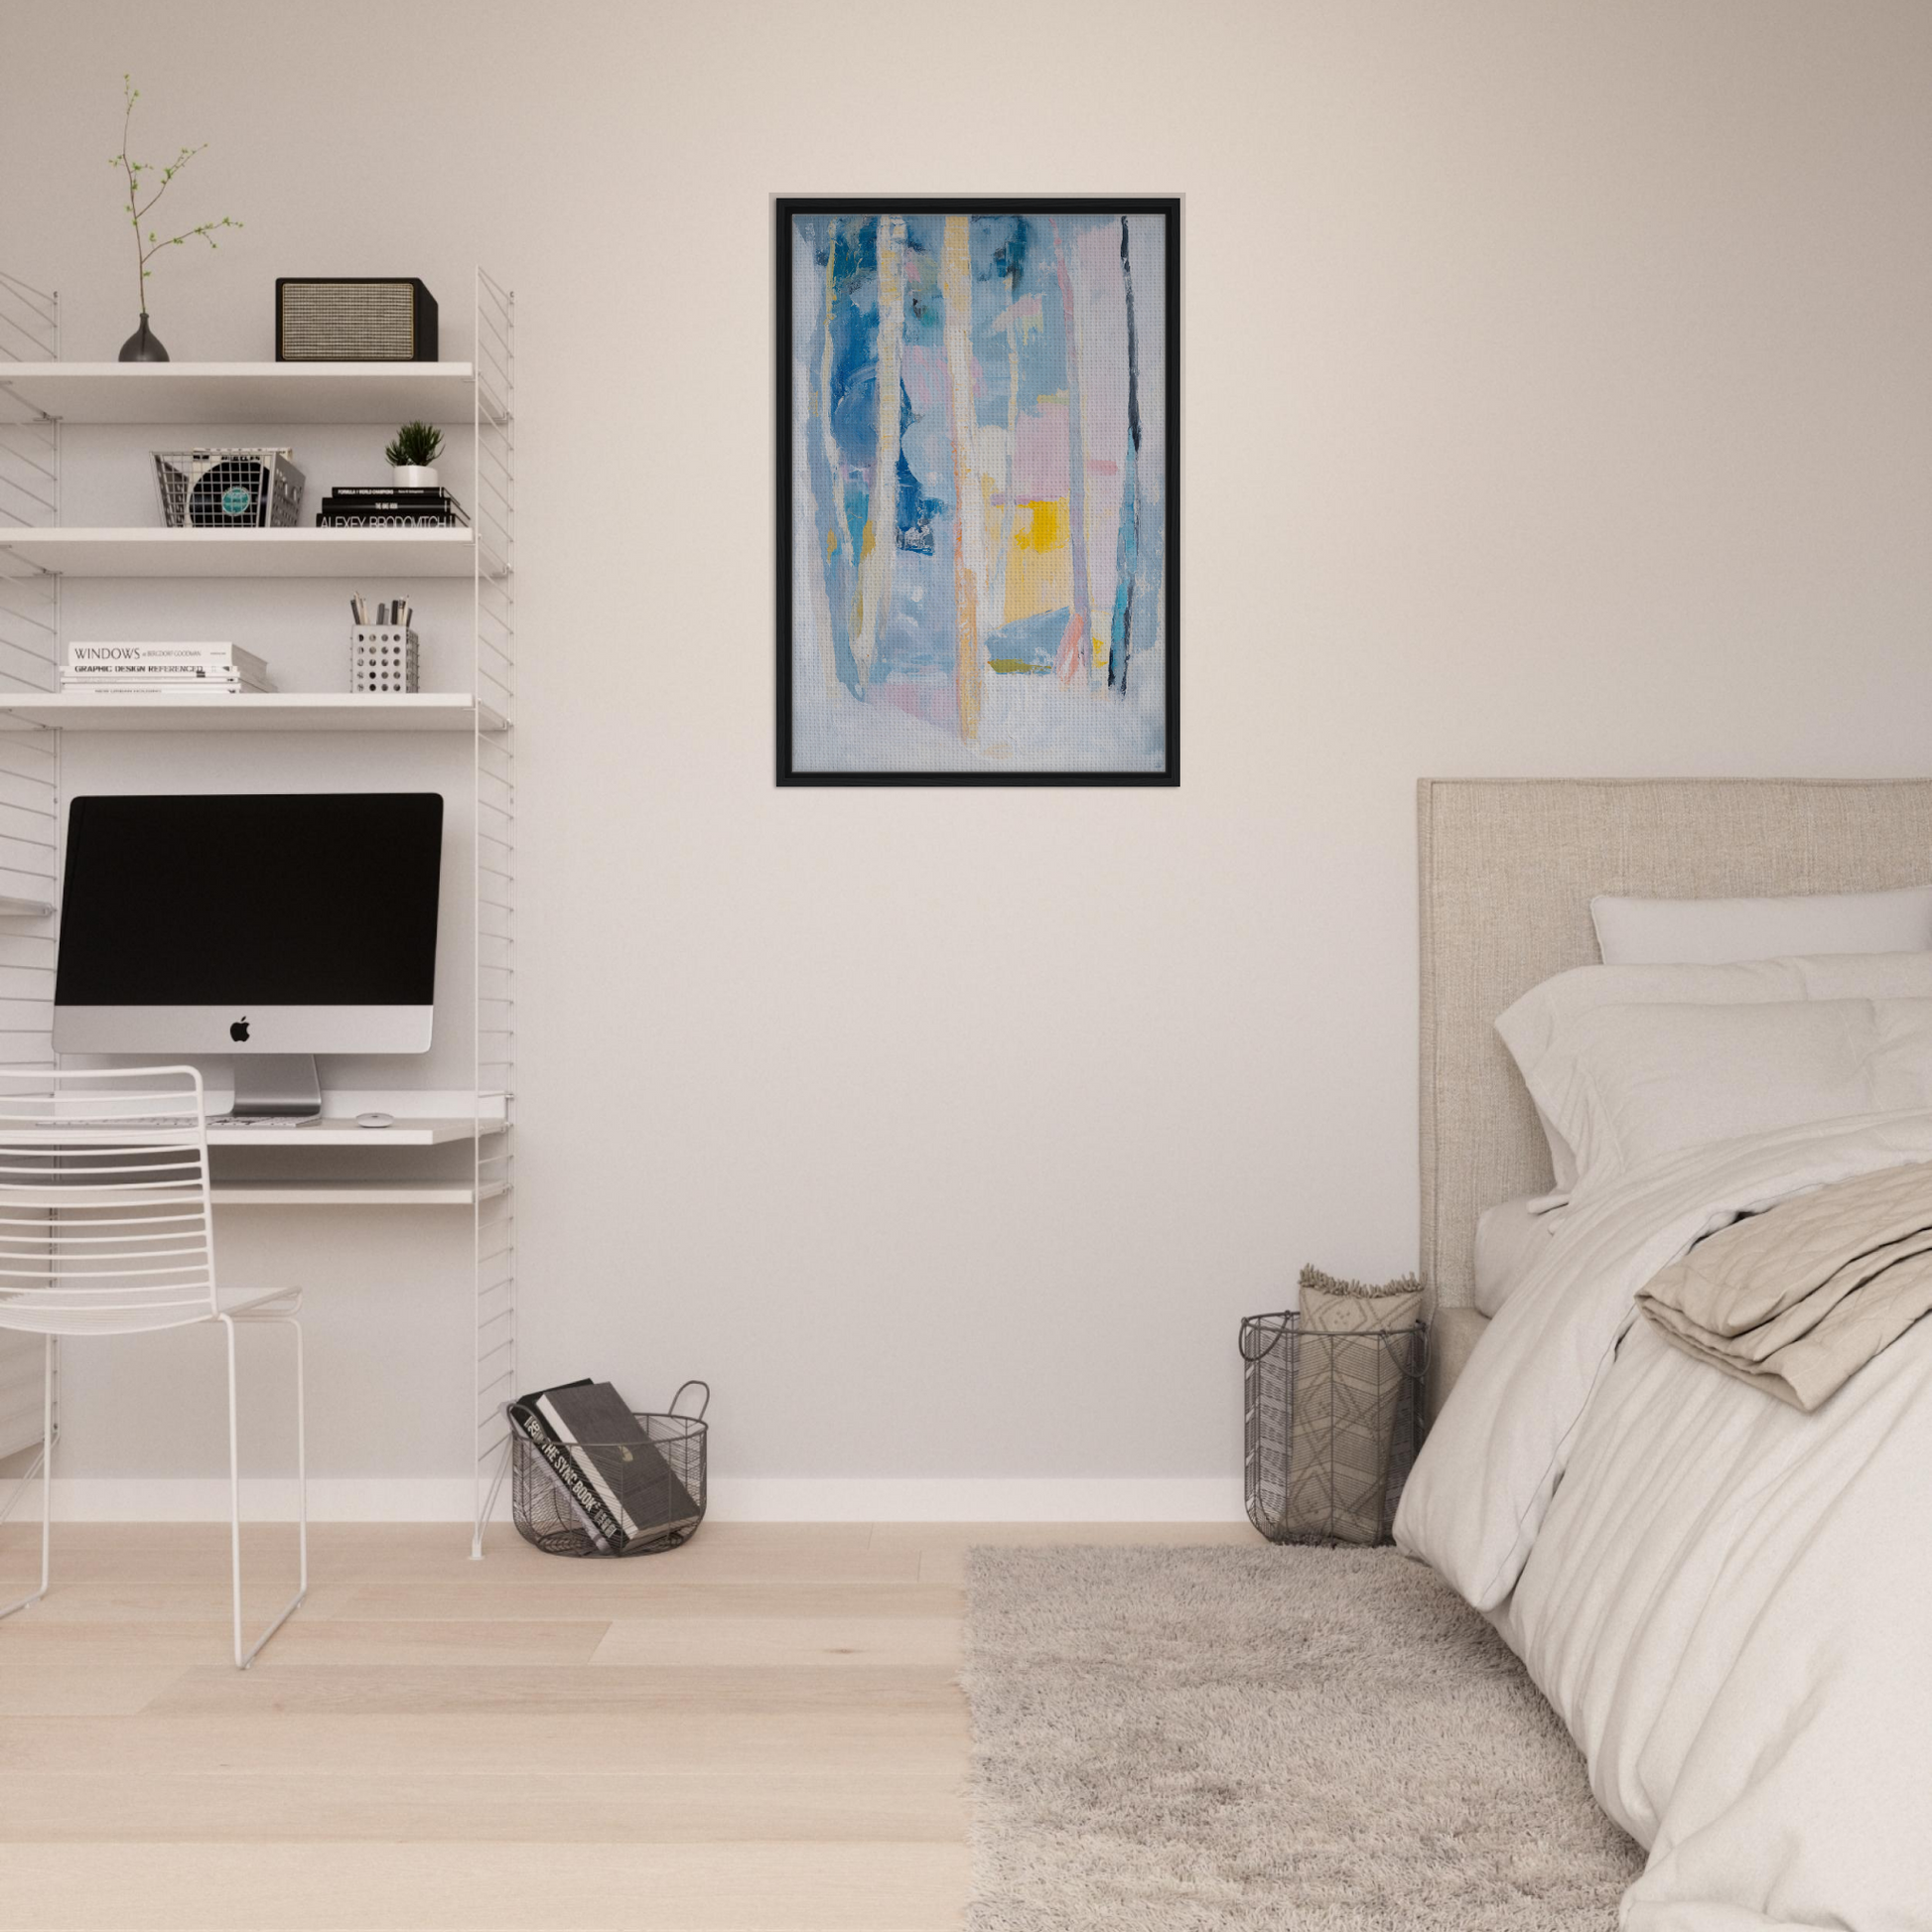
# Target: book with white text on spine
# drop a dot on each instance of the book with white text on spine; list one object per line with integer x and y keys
{"x": 121, "y": 687}
{"x": 160, "y": 668}
{"x": 575, "y": 1486}
{"x": 141, "y": 659}
{"x": 157, "y": 673}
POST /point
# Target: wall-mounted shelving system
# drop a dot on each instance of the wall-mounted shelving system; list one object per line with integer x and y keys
{"x": 39, "y": 395}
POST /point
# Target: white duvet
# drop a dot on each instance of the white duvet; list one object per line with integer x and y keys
{"x": 1728, "y": 1601}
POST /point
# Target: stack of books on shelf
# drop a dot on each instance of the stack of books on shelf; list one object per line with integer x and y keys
{"x": 205, "y": 669}
{"x": 382, "y": 507}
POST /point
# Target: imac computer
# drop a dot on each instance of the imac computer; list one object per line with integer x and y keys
{"x": 267, "y": 926}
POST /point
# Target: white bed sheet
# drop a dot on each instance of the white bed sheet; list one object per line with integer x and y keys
{"x": 1728, "y": 1603}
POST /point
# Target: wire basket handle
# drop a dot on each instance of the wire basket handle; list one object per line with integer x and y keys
{"x": 1262, "y": 1335}
{"x": 1274, "y": 1328}
{"x": 694, "y": 1383}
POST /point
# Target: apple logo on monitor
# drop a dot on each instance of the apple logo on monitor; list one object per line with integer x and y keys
{"x": 239, "y": 1031}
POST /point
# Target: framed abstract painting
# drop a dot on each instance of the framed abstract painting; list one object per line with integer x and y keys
{"x": 978, "y": 485}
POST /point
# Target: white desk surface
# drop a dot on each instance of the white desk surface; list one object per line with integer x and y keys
{"x": 333, "y": 1132}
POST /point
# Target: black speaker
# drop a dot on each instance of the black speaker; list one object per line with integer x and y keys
{"x": 354, "y": 318}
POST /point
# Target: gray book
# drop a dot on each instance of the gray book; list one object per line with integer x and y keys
{"x": 632, "y": 1480}
{"x": 570, "y": 1484}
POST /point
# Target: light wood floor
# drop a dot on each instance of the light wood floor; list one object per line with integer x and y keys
{"x": 759, "y": 1732}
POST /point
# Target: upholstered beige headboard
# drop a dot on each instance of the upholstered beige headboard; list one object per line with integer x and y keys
{"x": 1507, "y": 870}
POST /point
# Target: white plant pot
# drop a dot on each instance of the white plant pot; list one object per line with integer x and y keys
{"x": 413, "y": 476}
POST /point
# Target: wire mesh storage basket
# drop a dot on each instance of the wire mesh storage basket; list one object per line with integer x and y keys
{"x": 1333, "y": 1424}
{"x": 659, "y": 1502}
{"x": 228, "y": 489}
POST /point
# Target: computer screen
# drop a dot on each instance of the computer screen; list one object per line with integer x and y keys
{"x": 279, "y": 922}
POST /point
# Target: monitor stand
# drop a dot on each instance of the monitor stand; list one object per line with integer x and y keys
{"x": 276, "y": 1087}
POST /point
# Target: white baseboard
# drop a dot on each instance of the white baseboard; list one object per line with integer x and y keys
{"x": 977, "y": 1499}
{"x": 733, "y": 1499}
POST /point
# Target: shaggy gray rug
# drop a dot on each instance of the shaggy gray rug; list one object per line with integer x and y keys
{"x": 1301, "y": 1740}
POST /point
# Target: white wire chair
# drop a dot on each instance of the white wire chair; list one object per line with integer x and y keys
{"x": 106, "y": 1229}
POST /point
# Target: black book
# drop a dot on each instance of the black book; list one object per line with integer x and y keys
{"x": 527, "y": 1418}
{"x": 415, "y": 492}
{"x": 632, "y": 1480}
{"x": 417, "y": 499}
{"x": 374, "y": 517}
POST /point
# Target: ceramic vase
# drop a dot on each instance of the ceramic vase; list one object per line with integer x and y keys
{"x": 144, "y": 345}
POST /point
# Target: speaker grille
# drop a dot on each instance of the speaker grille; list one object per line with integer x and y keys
{"x": 349, "y": 322}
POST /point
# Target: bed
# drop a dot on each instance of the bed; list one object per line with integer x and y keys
{"x": 1728, "y": 1601}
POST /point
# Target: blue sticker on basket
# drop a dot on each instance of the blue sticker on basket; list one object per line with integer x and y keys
{"x": 236, "y": 499}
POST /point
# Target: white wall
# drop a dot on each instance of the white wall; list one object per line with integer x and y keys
{"x": 1557, "y": 399}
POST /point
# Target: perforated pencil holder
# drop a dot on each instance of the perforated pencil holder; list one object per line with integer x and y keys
{"x": 383, "y": 658}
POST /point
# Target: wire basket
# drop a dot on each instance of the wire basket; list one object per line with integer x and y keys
{"x": 228, "y": 489}
{"x": 1333, "y": 1425}
{"x": 665, "y": 1515}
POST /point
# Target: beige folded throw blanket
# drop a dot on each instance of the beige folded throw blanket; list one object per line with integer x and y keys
{"x": 1797, "y": 1300}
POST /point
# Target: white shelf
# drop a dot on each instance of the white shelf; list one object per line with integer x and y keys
{"x": 347, "y": 1193}
{"x": 259, "y": 711}
{"x": 332, "y": 1132}
{"x": 384, "y": 393}
{"x": 390, "y": 554}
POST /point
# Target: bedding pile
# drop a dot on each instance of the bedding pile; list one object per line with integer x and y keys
{"x": 1798, "y": 1300}
{"x": 1728, "y": 1600}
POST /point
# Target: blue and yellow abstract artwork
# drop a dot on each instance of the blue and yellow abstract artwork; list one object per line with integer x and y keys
{"x": 977, "y": 492}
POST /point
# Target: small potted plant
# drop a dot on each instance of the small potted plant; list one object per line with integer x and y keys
{"x": 412, "y": 456}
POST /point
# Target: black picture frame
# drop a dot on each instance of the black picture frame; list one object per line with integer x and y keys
{"x": 1169, "y": 209}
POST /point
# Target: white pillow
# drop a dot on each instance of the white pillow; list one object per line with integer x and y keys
{"x": 1530, "y": 1028}
{"x": 1628, "y": 1083}
{"x": 1714, "y": 931}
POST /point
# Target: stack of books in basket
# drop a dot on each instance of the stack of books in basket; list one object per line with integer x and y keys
{"x": 122, "y": 669}
{"x": 612, "y": 1478}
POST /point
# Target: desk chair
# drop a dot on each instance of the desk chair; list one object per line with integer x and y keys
{"x": 105, "y": 1229}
